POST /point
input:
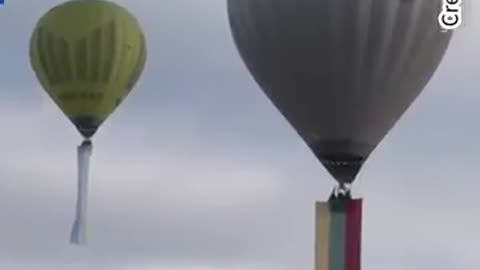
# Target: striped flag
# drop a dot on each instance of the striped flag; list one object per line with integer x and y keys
{"x": 338, "y": 234}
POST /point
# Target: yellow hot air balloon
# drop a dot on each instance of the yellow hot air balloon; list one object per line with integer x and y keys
{"x": 87, "y": 55}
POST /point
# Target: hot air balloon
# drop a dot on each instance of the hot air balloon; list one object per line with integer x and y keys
{"x": 87, "y": 55}
{"x": 342, "y": 72}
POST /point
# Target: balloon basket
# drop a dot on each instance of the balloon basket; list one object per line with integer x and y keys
{"x": 338, "y": 228}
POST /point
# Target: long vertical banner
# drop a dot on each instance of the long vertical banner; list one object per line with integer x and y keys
{"x": 338, "y": 234}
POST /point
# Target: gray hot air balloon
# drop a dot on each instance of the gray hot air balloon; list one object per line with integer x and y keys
{"x": 342, "y": 72}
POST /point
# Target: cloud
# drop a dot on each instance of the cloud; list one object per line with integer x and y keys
{"x": 145, "y": 202}
{"x": 163, "y": 204}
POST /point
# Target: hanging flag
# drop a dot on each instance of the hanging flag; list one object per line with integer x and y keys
{"x": 338, "y": 234}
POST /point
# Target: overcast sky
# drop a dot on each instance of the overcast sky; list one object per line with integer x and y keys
{"x": 198, "y": 171}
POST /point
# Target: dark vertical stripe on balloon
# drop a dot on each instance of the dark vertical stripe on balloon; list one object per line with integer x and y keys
{"x": 81, "y": 59}
{"x": 420, "y": 37}
{"x": 329, "y": 60}
{"x": 381, "y": 63}
{"x": 95, "y": 54}
{"x": 53, "y": 59}
{"x": 40, "y": 44}
{"x": 337, "y": 239}
{"x": 401, "y": 39}
{"x": 374, "y": 42}
{"x": 350, "y": 42}
{"x": 337, "y": 57}
{"x": 424, "y": 44}
{"x": 64, "y": 53}
{"x": 411, "y": 22}
{"x": 353, "y": 235}
{"x": 138, "y": 65}
{"x": 110, "y": 50}
{"x": 361, "y": 24}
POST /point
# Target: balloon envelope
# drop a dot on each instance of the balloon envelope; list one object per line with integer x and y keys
{"x": 342, "y": 72}
{"x": 88, "y": 55}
